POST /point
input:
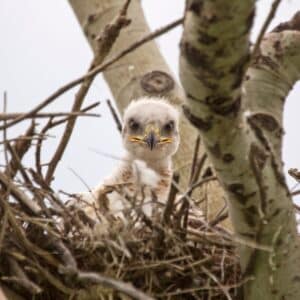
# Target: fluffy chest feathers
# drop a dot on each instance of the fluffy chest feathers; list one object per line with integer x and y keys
{"x": 133, "y": 189}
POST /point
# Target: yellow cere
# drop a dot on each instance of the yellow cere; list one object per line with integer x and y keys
{"x": 148, "y": 129}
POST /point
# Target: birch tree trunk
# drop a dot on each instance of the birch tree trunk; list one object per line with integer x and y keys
{"x": 242, "y": 130}
{"x": 144, "y": 72}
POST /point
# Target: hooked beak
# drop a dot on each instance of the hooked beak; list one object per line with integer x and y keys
{"x": 151, "y": 140}
{"x": 151, "y": 137}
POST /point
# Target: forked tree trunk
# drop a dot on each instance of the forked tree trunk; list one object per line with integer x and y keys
{"x": 143, "y": 72}
{"x": 242, "y": 130}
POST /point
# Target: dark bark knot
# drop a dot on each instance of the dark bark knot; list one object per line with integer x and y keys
{"x": 215, "y": 150}
{"x": 207, "y": 173}
{"x": 238, "y": 190}
{"x": 266, "y": 61}
{"x": 264, "y": 121}
{"x": 231, "y": 108}
{"x": 223, "y": 105}
{"x": 206, "y": 39}
{"x": 228, "y": 158}
{"x": 195, "y": 7}
{"x": 157, "y": 82}
{"x": 199, "y": 123}
{"x": 193, "y": 55}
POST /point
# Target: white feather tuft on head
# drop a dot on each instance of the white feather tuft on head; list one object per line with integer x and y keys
{"x": 159, "y": 104}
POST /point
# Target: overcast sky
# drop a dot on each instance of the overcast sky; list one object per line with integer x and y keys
{"x": 42, "y": 48}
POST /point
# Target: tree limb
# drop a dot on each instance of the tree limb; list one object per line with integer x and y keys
{"x": 242, "y": 130}
{"x": 104, "y": 43}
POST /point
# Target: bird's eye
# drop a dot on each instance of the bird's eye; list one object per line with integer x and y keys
{"x": 133, "y": 125}
{"x": 169, "y": 127}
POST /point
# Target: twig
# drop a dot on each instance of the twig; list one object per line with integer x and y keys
{"x": 171, "y": 199}
{"x": 65, "y": 254}
{"x": 115, "y": 115}
{"x": 215, "y": 279}
{"x": 195, "y": 159}
{"x": 106, "y": 41}
{"x": 295, "y": 173}
{"x": 2, "y": 190}
{"x": 22, "y": 279}
{"x": 18, "y": 194}
{"x": 9, "y": 116}
{"x": 193, "y": 177}
{"x": 20, "y": 148}
{"x": 30, "y": 247}
{"x": 49, "y": 125}
{"x": 295, "y": 193}
{"x": 95, "y": 71}
{"x": 223, "y": 216}
{"x": 199, "y": 168}
{"x": 17, "y": 166}
{"x": 198, "y": 184}
{"x": 3, "y": 227}
{"x": 206, "y": 287}
{"x": 120, "y": 286}
{"x": 56, "y": 282}
{"x": 264, "y": 28}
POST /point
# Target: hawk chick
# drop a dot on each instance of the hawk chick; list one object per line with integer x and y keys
{"x": 150, "y": 136}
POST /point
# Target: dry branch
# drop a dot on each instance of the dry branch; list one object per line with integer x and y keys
{"x": 9, "y": 116}
{"x": 93, "y": 72}
{"x": 105, "y": 42}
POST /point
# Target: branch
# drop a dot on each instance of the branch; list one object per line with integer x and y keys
{"x": 21, "y": 278}
{"x": 20, "y": 147}
{"x": 243, "y": 131}
{"x": 106, "y": 41}
{"x": 19, "y": 195}
{"x": 120, "y": 286}
{"x": 115, "y": 116}
{"x": 265, "y": 26}
{"x": 93, "y": 72}
{"x": 278, "y": 63}
{"x": 9, "y": 116}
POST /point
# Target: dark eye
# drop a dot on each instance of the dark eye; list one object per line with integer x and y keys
{"x": 169, "y": 127}
{"x": 133, "y": 125}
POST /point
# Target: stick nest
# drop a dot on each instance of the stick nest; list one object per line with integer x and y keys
{"x": 48, "y": 251}
{"x": 46, "y": 254}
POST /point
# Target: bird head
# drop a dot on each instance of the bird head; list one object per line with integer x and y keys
{"x": 150, "y": 130}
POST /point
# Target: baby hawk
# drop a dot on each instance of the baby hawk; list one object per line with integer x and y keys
{"x": 141, "y": 182}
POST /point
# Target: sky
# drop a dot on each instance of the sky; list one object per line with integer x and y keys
{"x": 43, "y": 48}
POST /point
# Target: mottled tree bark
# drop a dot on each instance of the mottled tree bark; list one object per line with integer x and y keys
{"x": 240, "y": 119}
{"x": 143, "y": 72}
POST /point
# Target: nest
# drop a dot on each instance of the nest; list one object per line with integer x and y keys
{"x": 48, "y": 251}
{"x": 163, "y": 261}
{"x": 60, "y": 254}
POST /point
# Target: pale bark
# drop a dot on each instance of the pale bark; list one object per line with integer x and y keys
{"x": 143, "y": 72}
{"x": 242, "y": 130}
